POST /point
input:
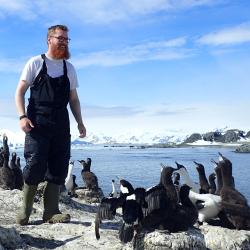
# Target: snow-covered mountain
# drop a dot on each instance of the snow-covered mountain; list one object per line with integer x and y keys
{"x": 167, "y": 137}
{"x": 130, "y": 138}
{"x": 17, "y": 139}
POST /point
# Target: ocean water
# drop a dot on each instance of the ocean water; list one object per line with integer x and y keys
{"x": 142, "y": 167}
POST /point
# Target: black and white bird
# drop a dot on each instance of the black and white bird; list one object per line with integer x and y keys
{"x": 162, "y": 199}
{"x": 70, "y": 184}
{"x": 132, "y": 214}
{"x": 114, "y": 193}
{"x": 107, "y": 211}
{"x": 126, "y": 187}
{"x": 185, "y": 178}
{"x": 208, "y": 205}
{"x": 108, "y": 206}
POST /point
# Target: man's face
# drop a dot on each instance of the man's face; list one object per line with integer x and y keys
{"x": 58, "y": 44}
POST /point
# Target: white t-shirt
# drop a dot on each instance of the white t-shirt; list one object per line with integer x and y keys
{"x": 54, "y": 69}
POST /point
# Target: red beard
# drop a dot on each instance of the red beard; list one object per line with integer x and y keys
{"x": 60, "y": 53}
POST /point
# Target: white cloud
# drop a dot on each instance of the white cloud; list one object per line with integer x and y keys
{"x": 233, "y": 35}
{"x": 22, "y": 8}
{"x": 195, "y": 117}
{"x": 161, "y": 50}
{"x": 94, "y": 11}
{"x": 114, "y": 111}
{"x": 199, "y": 117}
{"x": 157, "y": 50}
{"x": 13, "y": 65}
{"x": 8, "y": 108}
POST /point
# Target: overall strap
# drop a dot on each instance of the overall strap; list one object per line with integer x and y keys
{"x": 44, "y": 68}
{"x": 65, "y": 71}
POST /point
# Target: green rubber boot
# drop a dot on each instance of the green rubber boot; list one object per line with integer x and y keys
{"x": 23, "y": 215}
{"x": 51, "y": 212}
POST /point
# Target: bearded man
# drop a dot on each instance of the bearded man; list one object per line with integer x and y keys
{"x": 52, "y": 81}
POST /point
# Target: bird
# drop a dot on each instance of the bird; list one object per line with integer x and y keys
{"x": 126, "y": 187}
{"x": 75, "y": 186}
{"x": 209, "y": 205}
{"x": 161, "y": 199}
{"x": 7, "y": 177}
{"x": 107, "y": 211}
{"x": 108, "y": 206}
{"x": 186, "y": 178}
{"x": 114, "y": 193}
{"x": 176, "y": 181}
{"x": 5, "y": 149}
{"x": 179, "y": 219}
{"x": 218, "y": 173}
{"x": 1, "y": 157}
{"x": 69, "y": 182}
{"x": 204, "y": 186}
{"x": 212, "y": 185}
{"x": 89, "y": 178}
{"x": 18, "y": 173}
{"x": 132, "y": 213}
{"x": 184, "y": 216}
{"x": 233, "y": 202}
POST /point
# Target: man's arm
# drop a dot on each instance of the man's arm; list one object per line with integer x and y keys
{"x": 25, "y": 124}
{"x": 76, "y": 111}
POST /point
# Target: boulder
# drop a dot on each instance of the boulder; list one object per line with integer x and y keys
{"x": 161, "y": 240}
{"x": 219, "y": 238}
{"x": 244, "y": 148}
{"x": 232, "y": 135}
{"x": 247, "y": 134}
{"x": 213, "y": 136}
{"x": 90, "y": 196}
{"x": 206, "y": 237}
{"x": 193, "y": 138}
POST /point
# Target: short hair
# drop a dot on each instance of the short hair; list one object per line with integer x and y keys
{"x": 52, "y": 29}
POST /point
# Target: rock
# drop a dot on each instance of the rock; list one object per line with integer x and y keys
{"x": 206, "y": 237}
{"x": 90, "y": 196}
{"x": 244, "y": 148}
{"x": 193, "y": 138}
{"x": 79, "y": 233}
{"x": 213, "y": 136}
{"x": 248, "y": 134}
{"x": 232, "y": 135}
{"x": 191, "y": 239}
{"x": 218, "y": 238}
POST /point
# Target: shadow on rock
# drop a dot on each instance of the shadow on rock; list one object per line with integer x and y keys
{"x": 42, "y": 243}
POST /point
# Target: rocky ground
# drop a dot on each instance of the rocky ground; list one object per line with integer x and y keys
{"x": 79, "y": 233}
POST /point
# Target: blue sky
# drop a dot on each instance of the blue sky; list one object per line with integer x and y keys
{"x": 152, "y": 66}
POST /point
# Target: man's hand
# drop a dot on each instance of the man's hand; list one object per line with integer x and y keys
{"x": 82, "y": 130}
{"x": 26, "y": 125}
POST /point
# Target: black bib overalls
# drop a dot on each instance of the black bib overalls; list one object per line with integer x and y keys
{"x": 47, "y": 145}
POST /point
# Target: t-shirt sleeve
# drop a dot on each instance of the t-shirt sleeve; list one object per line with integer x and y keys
{"x": 73, "y": 77}
{"x": 29, "y": 72}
